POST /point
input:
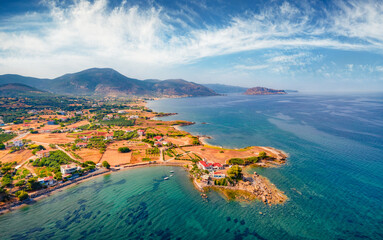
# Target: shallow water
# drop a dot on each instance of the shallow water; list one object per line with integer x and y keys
{"x": 333, "y": 178}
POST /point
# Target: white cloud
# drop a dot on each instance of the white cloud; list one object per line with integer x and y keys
{"x": 360, "y": 19}
{"x": 88, "y": 33}
{"x": 379, "y": 68}
{"x": 251, "y": 67}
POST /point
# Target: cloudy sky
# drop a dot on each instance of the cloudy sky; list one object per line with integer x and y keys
{"x": 306, "y": 45}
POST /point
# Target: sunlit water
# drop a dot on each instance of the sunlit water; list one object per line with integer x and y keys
{"x": 333, "y": 178}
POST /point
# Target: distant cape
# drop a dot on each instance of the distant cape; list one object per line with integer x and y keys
{"x": 263, "y": 91}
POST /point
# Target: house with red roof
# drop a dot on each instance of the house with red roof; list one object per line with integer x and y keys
{"x": 109, "y": 136}
{"x": 85, "y": 138}
{"x": 158, "y": 138}
{"x": 205, "y": 166}
{"x": 81, "y": 144}
{"x": 47, "y": 181}
{"x": 141, "y": 132}
{"x": 217, "y": 166}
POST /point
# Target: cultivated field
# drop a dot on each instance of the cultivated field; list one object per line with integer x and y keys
{"x": 18, "y": 156}
{"x": 54, "y": 138}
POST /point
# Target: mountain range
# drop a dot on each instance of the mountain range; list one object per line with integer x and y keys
{"x": 108, "y": 82}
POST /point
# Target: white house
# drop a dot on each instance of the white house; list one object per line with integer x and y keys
{"x": 141, "y": 132}
{"x": 217, "y": 175}
{"x": 68, "y": 169}
{"x": 18, "y": 143}
{"x": 48, "y": 181}
{"x": 108, "y": 137}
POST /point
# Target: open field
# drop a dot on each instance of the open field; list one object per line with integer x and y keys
{"x": 17, "y": 156}
{"x": 54, "y": 138}
{"x": 113, "y": 157}
{"x": 180, "y": 141}
{"x": 86, "y": 154}
{"x": 220, "y": 155}
{"x": 78, "y": 124}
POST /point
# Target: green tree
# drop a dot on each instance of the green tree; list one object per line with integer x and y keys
{"x": 105, "y": 164}
{"x": 235, "y": 172}
{"x": 262, "y": 155}
{"x": 2, "y": 146}
{"x": 22, "y": 195}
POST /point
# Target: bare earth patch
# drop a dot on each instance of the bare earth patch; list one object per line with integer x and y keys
{"x": 54, "y": 138}
{"x": 17, "y": 156}
{"x": 86, "y": 154}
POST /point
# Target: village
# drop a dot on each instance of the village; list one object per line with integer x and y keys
{"x": 52, "y": 147}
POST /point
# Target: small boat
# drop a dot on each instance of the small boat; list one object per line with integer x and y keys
{"x": 171, "y": 175}
{"x": 166, "y": 178}
{"x": 171, "y": 171}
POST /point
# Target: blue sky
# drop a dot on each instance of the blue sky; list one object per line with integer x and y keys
{"x": 304, "y": 45}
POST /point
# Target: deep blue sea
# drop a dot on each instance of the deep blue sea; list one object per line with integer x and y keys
{"x": 333, "y": 178}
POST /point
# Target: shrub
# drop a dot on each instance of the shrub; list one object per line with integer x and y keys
{"x": 22, "y": 195}
{"x": 262, "y": 155}
{"x": 124, "y": 149}
{"x": 237, "y": 161}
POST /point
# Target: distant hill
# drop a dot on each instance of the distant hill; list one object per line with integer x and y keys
{"x": 221, "y": 88}
{"x": 108, "y": 82}
{"x": 263, "y": 91}
{"x": 18, "y": 90}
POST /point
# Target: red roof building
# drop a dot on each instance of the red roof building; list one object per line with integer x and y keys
{"x": 204, "y": 165}
{"x": 81, "y": 144}
{"x": 158, "y": 138}
{"x": 217, "y": 166}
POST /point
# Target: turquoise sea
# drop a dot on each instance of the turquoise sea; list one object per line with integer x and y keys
{"x": 333, "y": 178}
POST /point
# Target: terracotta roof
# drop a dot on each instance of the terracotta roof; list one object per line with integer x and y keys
{"x": 205, "y": 164}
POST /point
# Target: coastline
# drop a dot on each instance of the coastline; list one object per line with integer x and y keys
{"x": 41, "y": 194}
{"x": 34, "y": 197}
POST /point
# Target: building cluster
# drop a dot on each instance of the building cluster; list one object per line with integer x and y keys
{"x": 212, "y": 168}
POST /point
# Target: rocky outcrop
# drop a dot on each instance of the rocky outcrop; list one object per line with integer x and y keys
{"x": 263, "y": 91}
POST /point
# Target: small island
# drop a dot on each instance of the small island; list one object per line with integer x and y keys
{"x": 263, "y": 91}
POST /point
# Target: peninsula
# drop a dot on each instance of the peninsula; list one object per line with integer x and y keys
{"x": 263, "y": 91}
{"x": 67, "y": 140}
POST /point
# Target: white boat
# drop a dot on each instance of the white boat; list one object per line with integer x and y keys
{"x": 171, "y": 175}
{"x": 171, "y": 171}
{"x": 166, "y": 178}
